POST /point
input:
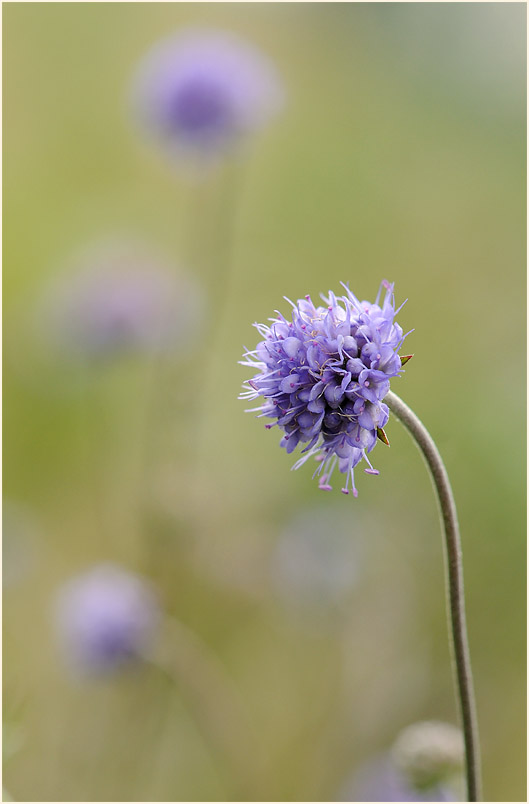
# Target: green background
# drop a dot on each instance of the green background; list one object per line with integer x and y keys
{"x": 400, "y": 154}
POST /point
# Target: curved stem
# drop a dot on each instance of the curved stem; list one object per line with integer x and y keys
{"x": 456, "y": 598}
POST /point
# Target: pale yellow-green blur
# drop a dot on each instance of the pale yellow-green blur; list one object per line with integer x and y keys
{"x": 399, "y": 154}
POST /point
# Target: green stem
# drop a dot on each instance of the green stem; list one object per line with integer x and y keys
{"x": 456, "y": 599}
{"x": 188, "y": 663}
{"x": 218, "y": 259}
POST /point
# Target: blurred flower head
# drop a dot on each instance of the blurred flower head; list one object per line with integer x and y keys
{"x": 121, "y": 298}
{"x": 205, "y": 89}
{"x": 316, "y": 562}
{"x": 379, "y": 780}
{"x": 105, "y": 618}
{"x": 429, "y": 753}
{"x": 323, "y": 376}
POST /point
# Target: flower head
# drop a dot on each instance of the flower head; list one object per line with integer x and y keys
{"x": 205, "y": 89}
{"x": 429, "y": 753}
{"x": 316, "y": 564}
{"x": 105, "y": 618}
{"x": 120, "y": 298}
{"x": 323, "y": 376}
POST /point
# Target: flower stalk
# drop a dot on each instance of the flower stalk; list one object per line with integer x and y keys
{"x": 188, "y": 663}
{"x": 456, "y": 601}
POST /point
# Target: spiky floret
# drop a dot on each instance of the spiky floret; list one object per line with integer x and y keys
{"x": 323, "y": 376}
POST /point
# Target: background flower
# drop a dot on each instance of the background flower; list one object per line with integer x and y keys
{"x": 429, "y": 753}
{"x": 316, "y": 564}
{"x": 105, "y": 618}
{"x": 120, "y": 297}
{"x": 205, "y": 89}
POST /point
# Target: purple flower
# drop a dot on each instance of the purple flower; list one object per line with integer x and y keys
{"x": 323, "y": 376}
{"x": 121, "y": 298}
{"x": 105, "y": 618}
{"x": 205, "y": 89}
{"x": 316, "y": 565}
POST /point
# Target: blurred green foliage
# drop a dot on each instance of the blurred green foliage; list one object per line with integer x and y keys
{"x": 400, "y": 154}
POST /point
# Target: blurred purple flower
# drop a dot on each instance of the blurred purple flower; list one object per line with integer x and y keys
{"x": 205, "y": 89}
{"x": 105, "y": 618}
{"x": 316, "y": 563}
{"x": 379, "y": 780}
{"x": 121, "y": 299}
{"x": 324, "y": 375}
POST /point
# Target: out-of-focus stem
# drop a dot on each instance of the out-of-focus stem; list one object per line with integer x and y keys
{"x": 456, "y": 599}
{"x": 201, "y": 679}
{"x": 217, "y": 256}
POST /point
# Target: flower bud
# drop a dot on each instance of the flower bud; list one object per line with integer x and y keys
{"x": 429, "y": 753}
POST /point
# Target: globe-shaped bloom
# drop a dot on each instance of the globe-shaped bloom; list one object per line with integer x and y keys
{"x": 316, "y": 565}
{"x": 105, "y": 618}
{"x": 120, "y": 298}
{"x": 323, "y": 376}
{"x": 205, "y": 89}
{"x": 429, "y": 753}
